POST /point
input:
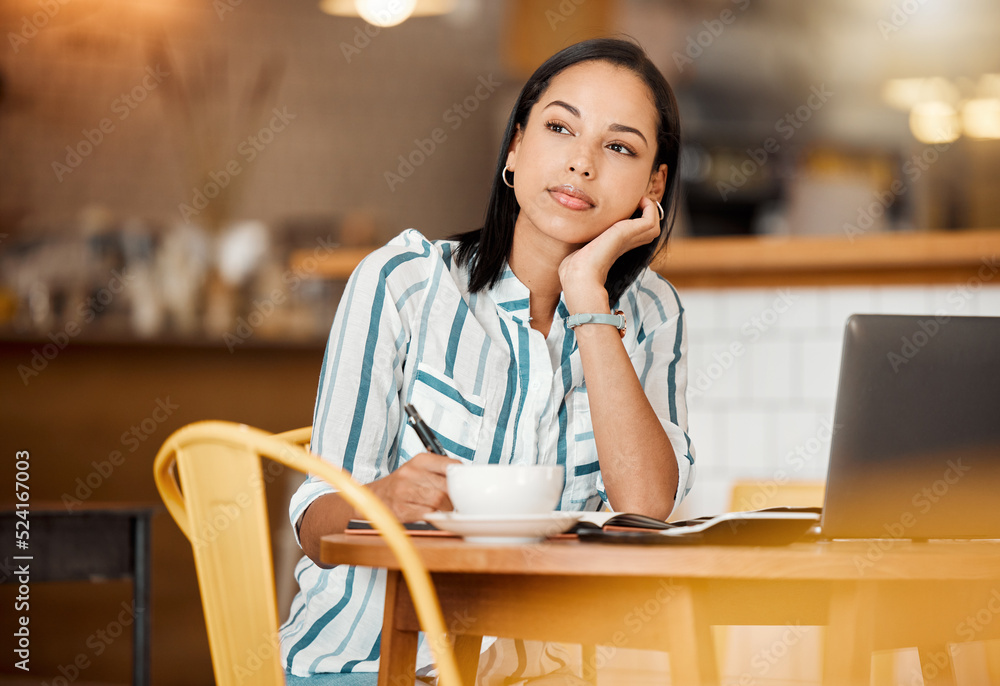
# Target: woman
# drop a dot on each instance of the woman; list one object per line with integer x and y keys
{"x": 492, "y": 337}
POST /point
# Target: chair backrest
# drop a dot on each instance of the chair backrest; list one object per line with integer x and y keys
{"x": 757, "y": 495}
{"x": 220, "y": 506}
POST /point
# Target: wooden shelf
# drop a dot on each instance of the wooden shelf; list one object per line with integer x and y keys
{"x": 335, "y": 264}
{"x": 751, "y": 261}
{"x": 914, "y": 258}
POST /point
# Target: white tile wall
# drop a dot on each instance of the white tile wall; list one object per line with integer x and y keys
{"x": 763, "y": 367}
{"x": 773, "y": 362}
{"x": 749, "y": 442}
{"x": 819, "y": 362}
{"x": 841, "y": 303}
{"x": 987, "y": 302}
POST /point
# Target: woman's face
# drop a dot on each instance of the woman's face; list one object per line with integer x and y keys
{"x": 584, "y": 159}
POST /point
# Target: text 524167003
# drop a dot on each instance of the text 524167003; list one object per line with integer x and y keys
{"x": 22, "y": 561}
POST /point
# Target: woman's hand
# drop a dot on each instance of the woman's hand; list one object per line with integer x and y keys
{"x": 410, "y": 492}
{"x": 416, "y": 488}
{"x": 583, "y": 272}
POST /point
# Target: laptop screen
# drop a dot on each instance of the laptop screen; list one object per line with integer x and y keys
{"x": 915, "y": 451}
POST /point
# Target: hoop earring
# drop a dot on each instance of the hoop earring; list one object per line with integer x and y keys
{"x": 503, "y": 175}
{"x": 659, "y": 208}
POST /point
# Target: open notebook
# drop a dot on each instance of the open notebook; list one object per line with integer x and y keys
{"x": 773, "y": 526}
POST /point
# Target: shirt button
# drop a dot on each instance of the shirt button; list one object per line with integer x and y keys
{"x": 535, "y": 385}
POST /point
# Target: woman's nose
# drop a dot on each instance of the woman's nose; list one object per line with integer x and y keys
{"x": 581, "y": 162}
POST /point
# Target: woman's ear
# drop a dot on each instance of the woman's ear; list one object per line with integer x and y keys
{"x": 657, "y": 183}
{"x": 512, "y": 149}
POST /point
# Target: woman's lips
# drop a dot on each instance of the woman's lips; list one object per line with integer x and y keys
{"x": 571, "y": 197}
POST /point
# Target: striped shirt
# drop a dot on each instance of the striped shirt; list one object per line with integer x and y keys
{"x": 493, "y": 389}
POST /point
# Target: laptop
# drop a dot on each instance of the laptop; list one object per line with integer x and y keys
{"x": 915, "y": 451}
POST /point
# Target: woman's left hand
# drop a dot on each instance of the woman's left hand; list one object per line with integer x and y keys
{"x": 584, "y": 271}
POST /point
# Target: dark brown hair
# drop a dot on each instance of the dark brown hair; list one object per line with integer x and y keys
{"x": 487, "y": 250}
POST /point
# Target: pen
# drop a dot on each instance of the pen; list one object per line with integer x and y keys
{"x": 427, "y": 436}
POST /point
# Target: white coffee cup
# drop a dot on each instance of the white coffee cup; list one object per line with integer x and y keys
{"x": 498, "y": 490}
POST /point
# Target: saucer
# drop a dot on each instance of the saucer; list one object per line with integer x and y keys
{"x": 503, "y": 530}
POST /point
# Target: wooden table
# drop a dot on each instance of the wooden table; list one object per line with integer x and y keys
{"x": 871, "y": 596}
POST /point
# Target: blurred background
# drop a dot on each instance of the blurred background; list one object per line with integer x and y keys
{"x": 201, "y": 143}
{"x": 185, "y": 185}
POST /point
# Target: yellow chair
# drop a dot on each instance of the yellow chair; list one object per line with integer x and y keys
{"x": 757, "y": 495}
{"x": 736, "y": 645}
{"x": 219, "y": 505}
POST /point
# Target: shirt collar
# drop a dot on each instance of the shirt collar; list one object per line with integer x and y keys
{"x": 513, "y": 297}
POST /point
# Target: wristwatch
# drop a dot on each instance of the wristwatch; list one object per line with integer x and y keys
{"x": 616, "y": 320}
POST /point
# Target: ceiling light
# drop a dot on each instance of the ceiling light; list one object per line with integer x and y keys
{"x": 904, "y": 94}
{"x": 989, "y": 86}
{"x": 386, "y": 12}
{"x": 981, "y": 118}
{"x": 935, "y": 122}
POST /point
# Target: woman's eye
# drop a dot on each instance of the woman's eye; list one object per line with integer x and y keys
{"x": 556, "y": 126}
{"x": 622, "y": 148}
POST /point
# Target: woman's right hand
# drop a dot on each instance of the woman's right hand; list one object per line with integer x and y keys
{"x": 417, "y": 487}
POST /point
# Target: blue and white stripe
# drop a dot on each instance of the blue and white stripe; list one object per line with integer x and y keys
{"x": 492, "y": 388}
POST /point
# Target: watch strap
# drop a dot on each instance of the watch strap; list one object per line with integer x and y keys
{"x": 616, "y": 320}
